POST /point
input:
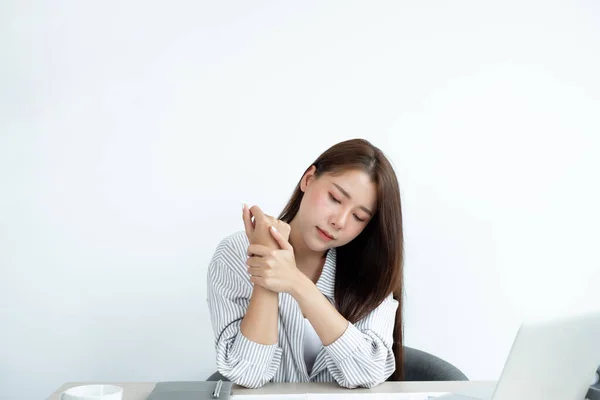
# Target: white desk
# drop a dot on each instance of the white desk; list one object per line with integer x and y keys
{"x": 141, "y": 390}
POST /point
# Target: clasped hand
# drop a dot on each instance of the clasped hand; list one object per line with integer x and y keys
{"x": 271, "y": 262}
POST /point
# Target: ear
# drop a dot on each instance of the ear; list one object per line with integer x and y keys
{"x": 307, "y": 178}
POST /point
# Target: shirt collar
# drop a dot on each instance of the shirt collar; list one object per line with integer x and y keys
{"x": 326, "y": 282}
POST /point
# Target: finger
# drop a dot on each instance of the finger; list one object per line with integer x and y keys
{"x": 257, "y": 213}
{"x": 254, "y": 271}
{"x": 283, "y": 244}
{"x": 256, "y": 262}
{"x": 283, "y": 228}
{"x": 257, "y": 280}
{"x": 248, "y": 227}
{"x": 259, "y": 250}
{"x": 252, "y": 220}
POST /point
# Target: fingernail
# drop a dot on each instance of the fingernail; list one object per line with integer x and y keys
{"x": 272, "y": 227}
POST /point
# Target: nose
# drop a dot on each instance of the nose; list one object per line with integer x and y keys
{"x": 338, "y": 220}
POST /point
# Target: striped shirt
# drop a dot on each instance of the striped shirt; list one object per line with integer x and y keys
{"x": 361, "y": 357}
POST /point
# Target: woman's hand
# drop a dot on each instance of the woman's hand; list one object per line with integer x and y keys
{"x": 257, "y": 224}
{"x": 274, "y": 270}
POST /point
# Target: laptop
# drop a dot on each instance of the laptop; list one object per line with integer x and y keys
{"x": 550, "y": 359}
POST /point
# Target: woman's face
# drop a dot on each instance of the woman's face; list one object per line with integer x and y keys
{"x": 335, "y": 208}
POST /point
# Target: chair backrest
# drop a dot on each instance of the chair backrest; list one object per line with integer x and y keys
{"x": 216, "y": 377}
{"x": 422, "y": 366}
{"x": 594, "y": 391}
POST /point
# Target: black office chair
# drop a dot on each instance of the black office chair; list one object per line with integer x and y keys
{"x": 594, "y": 392}
{"x": 217, "y": 377}
{"x": 422, "y": 366}
{"x": 418, "y": 366}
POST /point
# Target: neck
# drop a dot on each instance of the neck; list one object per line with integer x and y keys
{"x": 304, "y": 255}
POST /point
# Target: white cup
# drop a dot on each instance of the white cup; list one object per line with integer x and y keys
{"x": 93, "y": 392}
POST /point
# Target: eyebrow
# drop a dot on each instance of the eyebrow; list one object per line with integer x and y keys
{"x": 341, "y": 189}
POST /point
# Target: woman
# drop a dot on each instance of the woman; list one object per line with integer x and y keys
{"x": 314, "y": 295}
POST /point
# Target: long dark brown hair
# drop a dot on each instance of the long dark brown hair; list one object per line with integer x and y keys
{"x": 369, "y": 267}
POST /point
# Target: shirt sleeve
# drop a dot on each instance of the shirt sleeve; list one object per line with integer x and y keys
{"x": 363, "y": 355}
{"x": 239, "y": 359}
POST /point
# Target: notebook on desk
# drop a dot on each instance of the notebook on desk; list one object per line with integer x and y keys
{"x": 551, "y": 359}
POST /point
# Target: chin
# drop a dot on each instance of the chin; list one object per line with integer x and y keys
{"x": 316, "y": 245}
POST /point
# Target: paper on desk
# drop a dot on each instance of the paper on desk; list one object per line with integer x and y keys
{"x": 269, "y": 396}
{"x": 341, "y": 396}
{"x": 375, "y": 396}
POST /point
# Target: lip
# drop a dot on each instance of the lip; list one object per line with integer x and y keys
{"x": 324, "y": 234}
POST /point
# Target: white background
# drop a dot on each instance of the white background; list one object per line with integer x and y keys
{"x": 132, "y": 132}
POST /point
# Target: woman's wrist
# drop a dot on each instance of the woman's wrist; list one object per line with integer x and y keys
{"x": 259, "y": 291}
{"x": 302, "y": 287}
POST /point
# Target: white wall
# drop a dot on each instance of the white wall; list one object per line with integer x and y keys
{"x": 131, "y": 133}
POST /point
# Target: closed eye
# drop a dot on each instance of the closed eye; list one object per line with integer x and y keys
{"x": 334, "y": 199}
{"x": 358, "y": 219}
